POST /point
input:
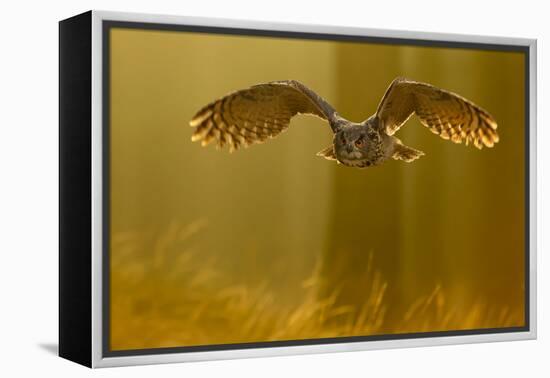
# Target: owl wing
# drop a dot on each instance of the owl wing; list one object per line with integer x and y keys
{"x": 445, "y": 113}
{"x": 252, "y": 115}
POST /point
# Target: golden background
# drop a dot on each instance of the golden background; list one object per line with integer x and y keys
{"x": 275, "y": 243}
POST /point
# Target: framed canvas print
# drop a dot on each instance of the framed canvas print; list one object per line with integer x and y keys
{"x": 236, "y": 189}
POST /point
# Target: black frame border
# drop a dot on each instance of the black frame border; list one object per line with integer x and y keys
{"x": 108, "y": 25}
{"x": 75, "y": 191}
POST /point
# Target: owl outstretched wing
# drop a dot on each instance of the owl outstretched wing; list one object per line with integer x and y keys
{"x": 445, "y": 113}
{"x": 255, "y": 114}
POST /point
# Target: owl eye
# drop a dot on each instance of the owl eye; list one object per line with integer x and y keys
{"x": 359, "y": 143}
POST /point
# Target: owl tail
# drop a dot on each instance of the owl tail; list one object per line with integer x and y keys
{"x": 327, "y": 153}
{"x": 405, "y": 153}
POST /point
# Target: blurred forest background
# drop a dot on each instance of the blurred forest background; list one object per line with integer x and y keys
{"x": 275, "y": 243}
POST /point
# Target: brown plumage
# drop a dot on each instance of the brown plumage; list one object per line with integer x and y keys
{"x": 252, "y": 115}
{"x": 445, "y": 113}
{"x": 264, "y": 111}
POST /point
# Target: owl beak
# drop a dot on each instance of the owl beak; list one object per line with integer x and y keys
{"x": 349, "y": 149}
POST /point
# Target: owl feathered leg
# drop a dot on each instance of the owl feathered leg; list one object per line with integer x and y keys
{"x": 328, "y": 153}
{"x": 405, "y": 153}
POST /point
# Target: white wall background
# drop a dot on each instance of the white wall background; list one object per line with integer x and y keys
{"x": 28, "y": 200}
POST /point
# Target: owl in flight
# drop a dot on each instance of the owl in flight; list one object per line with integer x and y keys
{"x": 263, "y": 111}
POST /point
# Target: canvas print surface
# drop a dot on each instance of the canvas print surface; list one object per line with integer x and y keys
{"x": 394, "y": 230}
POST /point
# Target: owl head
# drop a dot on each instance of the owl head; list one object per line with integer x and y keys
{"x": 357, "y": 146}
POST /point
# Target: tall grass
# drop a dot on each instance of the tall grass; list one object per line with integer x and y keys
{"x": 164, "y": 293}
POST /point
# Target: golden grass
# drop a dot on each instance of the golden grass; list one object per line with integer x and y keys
{"x": 165, "y": 294}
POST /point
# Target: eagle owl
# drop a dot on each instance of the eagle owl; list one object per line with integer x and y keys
{"x": 263, "y": 111}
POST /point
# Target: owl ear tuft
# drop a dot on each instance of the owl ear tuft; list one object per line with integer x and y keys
{"x": 327, "y": 153}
